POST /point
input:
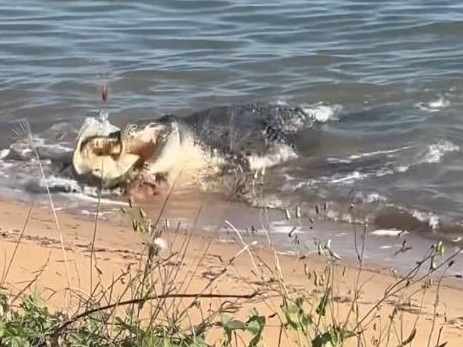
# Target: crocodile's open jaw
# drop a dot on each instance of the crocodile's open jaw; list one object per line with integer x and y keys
{"x": 101, "y": 159}
{"x": 108, "y": 160}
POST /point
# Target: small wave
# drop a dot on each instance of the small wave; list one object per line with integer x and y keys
{"x": 397, "y": 217}
{"x": 390, "y": 219}
{"x": 372, "y": 197}
{"x": 61, "y": 181}
{"x": 433, "y": 105}
{"x": 284, "y": 229}
{"x": 322, "y": 113}
{"x": 70, "y": 189}
{"x": 282, "y": 153}
{"x": 94, "y": 213}
{"x": 436, "y": 152}
{"x": 333, "y": 160}
{"x": 25, "y": 150}
{"x": 319, "y": 111}
{"x": 96, "y": 199}
{"x": 351, "y": 177}
{"x": 388, "y": 152}
{"x": 347, "y": 179}
{"x": 4, "y": 153}
{"x": 376, "y": 153}
{"x": 388, "y": 232}
{"x": 5, "y": 165}
{"x": 430, "y": 218}
{"x": 51, "y": 184}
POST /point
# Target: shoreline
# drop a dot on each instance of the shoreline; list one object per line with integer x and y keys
{"x": 384, "y": 248}
{"x": 117, "y": 246}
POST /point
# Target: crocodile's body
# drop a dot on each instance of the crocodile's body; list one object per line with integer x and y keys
{"x": 147, "y": 148}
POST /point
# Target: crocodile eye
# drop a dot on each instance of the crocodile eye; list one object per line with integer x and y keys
{"x": 130, "y": 129}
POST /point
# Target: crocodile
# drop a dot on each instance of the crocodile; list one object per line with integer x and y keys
{"x": 239, "y": 139}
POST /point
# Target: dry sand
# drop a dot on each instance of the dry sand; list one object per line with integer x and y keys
{"x": 40, "y": 256}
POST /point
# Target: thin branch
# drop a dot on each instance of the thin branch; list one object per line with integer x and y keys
{"x": 155, "y": 297}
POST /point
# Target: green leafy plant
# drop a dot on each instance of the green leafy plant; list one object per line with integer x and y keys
{"x": 254, "y": 325}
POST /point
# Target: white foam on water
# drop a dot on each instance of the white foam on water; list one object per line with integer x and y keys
{"x": 6, "y": 165}
{"x": 376, "y": 153}
{"x": 288, "y": 177}
{"x": 23, "y": 150}
{"x": 94, "y": 213}
{"x": 433, "y": 153}
{"x": 60, "y": 147}
{"x": 433, "y": 105}
{"x": 71, "y": 190}
{"x": 427, "y": 217}
{"x": 321, "y": 112}
{"x": 55, "y": 181}
{"x": 347, "y": 178}
{"x": 374, "y": 197}
{"x": 4, "y": 152}
{"x": 288, "y": 253}
{"x": 437, "y": 151}
{"x": 27, "y": 149}
{"x": 338, "y": 160}
{"x": 284, "y": 229}
{"x": 95, "y": 199}
{"x": 402, "y": 168}
{"x": 281, "y": 154}
{"x": 279, "y": 223}
{"x": 388, "y": 232}
{"x": 388, "y": 152}
{"x": 342, "y": 179}
{"x": 371, "y": 197}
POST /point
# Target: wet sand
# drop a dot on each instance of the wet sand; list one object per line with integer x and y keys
{"x": 40, "y": 256}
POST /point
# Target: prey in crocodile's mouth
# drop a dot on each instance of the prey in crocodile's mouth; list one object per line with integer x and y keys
{"x": 102, "y": 146}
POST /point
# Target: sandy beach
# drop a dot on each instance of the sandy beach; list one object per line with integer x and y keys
{"x": 59, "y": 263}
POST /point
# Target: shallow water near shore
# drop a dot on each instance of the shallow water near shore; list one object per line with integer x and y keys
{"x": 382, "y": 79}
{"x": 205, "y": 214}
